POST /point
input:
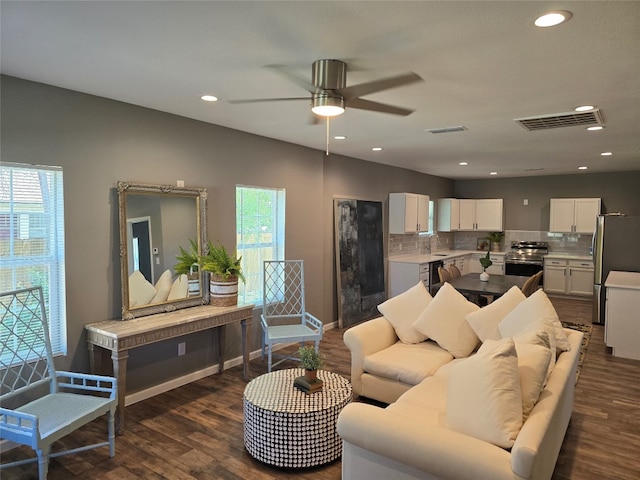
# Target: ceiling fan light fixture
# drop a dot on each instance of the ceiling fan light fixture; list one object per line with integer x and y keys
{"x": 327, "y": 105}
{"x": 553, "y": 18}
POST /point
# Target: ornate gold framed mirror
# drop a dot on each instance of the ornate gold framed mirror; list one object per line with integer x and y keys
{"x": 156, "y": 221}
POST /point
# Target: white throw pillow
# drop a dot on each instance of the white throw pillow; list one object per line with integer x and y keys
{"x": 534, "y": 355}
{"x": 179, "y": 288}
{"x": 444, "y": 321}
{"x": 485, "y": 321}
{"x": 140, "y": 290}
{"x": 404, "y": 309}
{"x": 484, "y": 399}
{"x": 163, "y": 287}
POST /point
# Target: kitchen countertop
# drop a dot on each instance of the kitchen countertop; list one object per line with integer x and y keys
{"x": 617, "y": 279}
{"x": 436, "y": 256}
{"x": 568, "y": 256}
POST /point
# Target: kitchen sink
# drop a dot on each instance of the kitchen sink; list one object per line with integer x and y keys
{"x": 439, "y": 254}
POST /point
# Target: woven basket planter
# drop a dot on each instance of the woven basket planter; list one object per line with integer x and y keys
{"x": 223, "y": 292}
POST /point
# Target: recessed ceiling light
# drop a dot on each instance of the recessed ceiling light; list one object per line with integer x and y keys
{"x": 606, "y": 154}
{"x": 339, "y": 137}
{"x": 493, "y": 173}
{"x": 595, "y": 129}
{"x": 582, "y": 168}
{"x": 463, "y": 163}
{"x": 553, "y": 18}
{"x": 377, "y": 149}
{"x": 584, "y": 108}
{"x": 209, "y": 98}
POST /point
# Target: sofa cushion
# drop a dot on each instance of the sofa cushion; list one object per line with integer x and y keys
{"x": 163, "y": 287}
{"x": 179, "y": 288}
{"x": 141, "y": 291}
{"x": 444, "y": 321}
{"x": 534, "y": 355}
{"x": 431, "y": 393}
{"x": 485, "y": 321}
{"x": 484, "y": 399}
{"x": 407, "y": 363}
{"x": 403, "y": 310}
{"x": 427, "y": 416}
{"x": 523, "y": 317}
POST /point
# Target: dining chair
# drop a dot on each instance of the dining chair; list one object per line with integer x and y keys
{"x": 454, "y": 271}
{"x": 532, "y": 284}
{"x": 444, "y": 275}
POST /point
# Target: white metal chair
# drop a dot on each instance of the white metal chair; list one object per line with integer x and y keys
{"x": 284, "y": 318}
{"x": 39, "y": 404}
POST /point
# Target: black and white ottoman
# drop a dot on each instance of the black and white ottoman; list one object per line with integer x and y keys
{"x": 288, "y": 428}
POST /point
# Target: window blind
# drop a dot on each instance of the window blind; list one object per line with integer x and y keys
{"x": 32, "y": 240}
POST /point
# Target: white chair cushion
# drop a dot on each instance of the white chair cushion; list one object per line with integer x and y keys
{"x": 534, "y": 355}
{"x": 485, "y": 321}
{"x": 484, "y": 399}
{"x": 163, "y": 287}
{"x": 402, "y": 310}
{"x": 444, "y": 321}
{"x": 407, "y": 363}
{"x": 141, "y": 291}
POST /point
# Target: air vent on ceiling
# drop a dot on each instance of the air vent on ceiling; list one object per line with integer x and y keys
{"x": 459, "y": 128}
{"x": 571, "y": 119}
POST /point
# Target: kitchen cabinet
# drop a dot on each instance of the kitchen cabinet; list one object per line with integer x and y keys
{"x": 568, "y": 277}
{"x": 573, "y": 215}
{"x": 460, "y": 262}
{"x": 622, "y": 326}
{"x": 403, "y": 276}
{"x": 408, "y": 213}
{"x": 497, "y": 267}
{"x": 481, "y": 214}
{"x": 448, "y": 213}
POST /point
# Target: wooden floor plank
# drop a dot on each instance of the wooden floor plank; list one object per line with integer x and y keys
{"x": 195, "y": 431}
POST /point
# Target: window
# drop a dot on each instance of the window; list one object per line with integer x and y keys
{"x": 260, "y": 235}
{"x": 32, "y": 240}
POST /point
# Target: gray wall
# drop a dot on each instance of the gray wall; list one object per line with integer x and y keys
{"x": 99, "y": 141}
{"x": 619, "y": 191}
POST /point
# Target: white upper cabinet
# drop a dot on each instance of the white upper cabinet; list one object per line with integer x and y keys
{"x": 573, "y": 215}
{"x": 408, "y": 213}
{"x": 481, "y": 215}
{"x": 448, "y": 214}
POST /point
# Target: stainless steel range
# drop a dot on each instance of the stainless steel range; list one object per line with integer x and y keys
{"x": 525, "y": 258}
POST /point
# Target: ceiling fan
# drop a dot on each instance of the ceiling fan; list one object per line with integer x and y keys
{"x": 330, "y": 94}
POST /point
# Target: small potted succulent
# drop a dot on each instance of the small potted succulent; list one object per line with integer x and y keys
{"x": 486, "y": 263}
{"x": 311, "y": 361}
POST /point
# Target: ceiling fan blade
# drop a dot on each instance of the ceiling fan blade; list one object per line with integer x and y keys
{"x": 361, "y": 104}
{"x": 363, "y": 89}
{"x": 291, "y": 75}
{"x": 258, "y": 100}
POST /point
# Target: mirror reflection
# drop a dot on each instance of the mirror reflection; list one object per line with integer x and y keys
{"x": 157, "y": 225}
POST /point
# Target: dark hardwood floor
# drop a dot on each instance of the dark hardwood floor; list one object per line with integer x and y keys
{"x": 195, "y": 431}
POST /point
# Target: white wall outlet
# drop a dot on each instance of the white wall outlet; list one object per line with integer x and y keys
{"x": 180, "y": 183}
{"x": 182, "y": 348}
{"x": 525, "y": 201}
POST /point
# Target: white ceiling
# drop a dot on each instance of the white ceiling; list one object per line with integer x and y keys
{"x": 483, "y": 64}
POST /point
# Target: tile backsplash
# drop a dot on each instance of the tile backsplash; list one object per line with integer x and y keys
{"x": 411, "y": 244}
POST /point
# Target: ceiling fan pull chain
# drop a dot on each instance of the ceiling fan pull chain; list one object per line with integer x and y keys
{"x": 327, "y": 135}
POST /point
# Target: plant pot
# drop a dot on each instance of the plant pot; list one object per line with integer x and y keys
{"x": 484, "y": 277}
{"x": 311, "y": 375}
{"x": 223, "y": 292}
{"x": 495, "y": 247}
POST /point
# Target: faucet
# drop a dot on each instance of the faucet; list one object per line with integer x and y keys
{"x": 429, "y": 241}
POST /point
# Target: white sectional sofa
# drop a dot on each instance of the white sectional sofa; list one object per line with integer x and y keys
{"x": 499, "y": 411}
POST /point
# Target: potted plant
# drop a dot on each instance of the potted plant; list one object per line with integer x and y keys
{"x": 225, "y": 271}
{"x": 189, "y": 265}
{"x": 494, "y": 240}
{"x": 486, "y": 263}
{"x": 311, "y": 361}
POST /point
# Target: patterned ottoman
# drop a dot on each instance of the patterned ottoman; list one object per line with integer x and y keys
{"x": 288, "y": 428}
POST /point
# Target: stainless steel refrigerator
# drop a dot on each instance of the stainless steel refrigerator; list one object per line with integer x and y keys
{"x": 616, "y": 246}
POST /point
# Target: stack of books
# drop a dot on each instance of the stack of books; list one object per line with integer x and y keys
{"x": 301, "y": 383}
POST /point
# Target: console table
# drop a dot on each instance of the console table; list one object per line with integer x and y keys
{"x": 120, "y": 336}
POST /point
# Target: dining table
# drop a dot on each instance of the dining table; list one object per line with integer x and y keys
{"x": 471, "y": 285}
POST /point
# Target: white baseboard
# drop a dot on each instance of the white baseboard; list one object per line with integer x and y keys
{"x": 192, "y": 377}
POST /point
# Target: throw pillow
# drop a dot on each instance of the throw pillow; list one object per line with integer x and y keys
{"x": 179, "y": 288}
{"x": 484, "y": 399}
{"x": 444, "y": 321}
{"x": 485, "y": 321}
{"x": 534, "y": 355}
{"x": 402, "y": 311}
{"x": 140, "y": 290}
{"x": 163, "y": 287}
